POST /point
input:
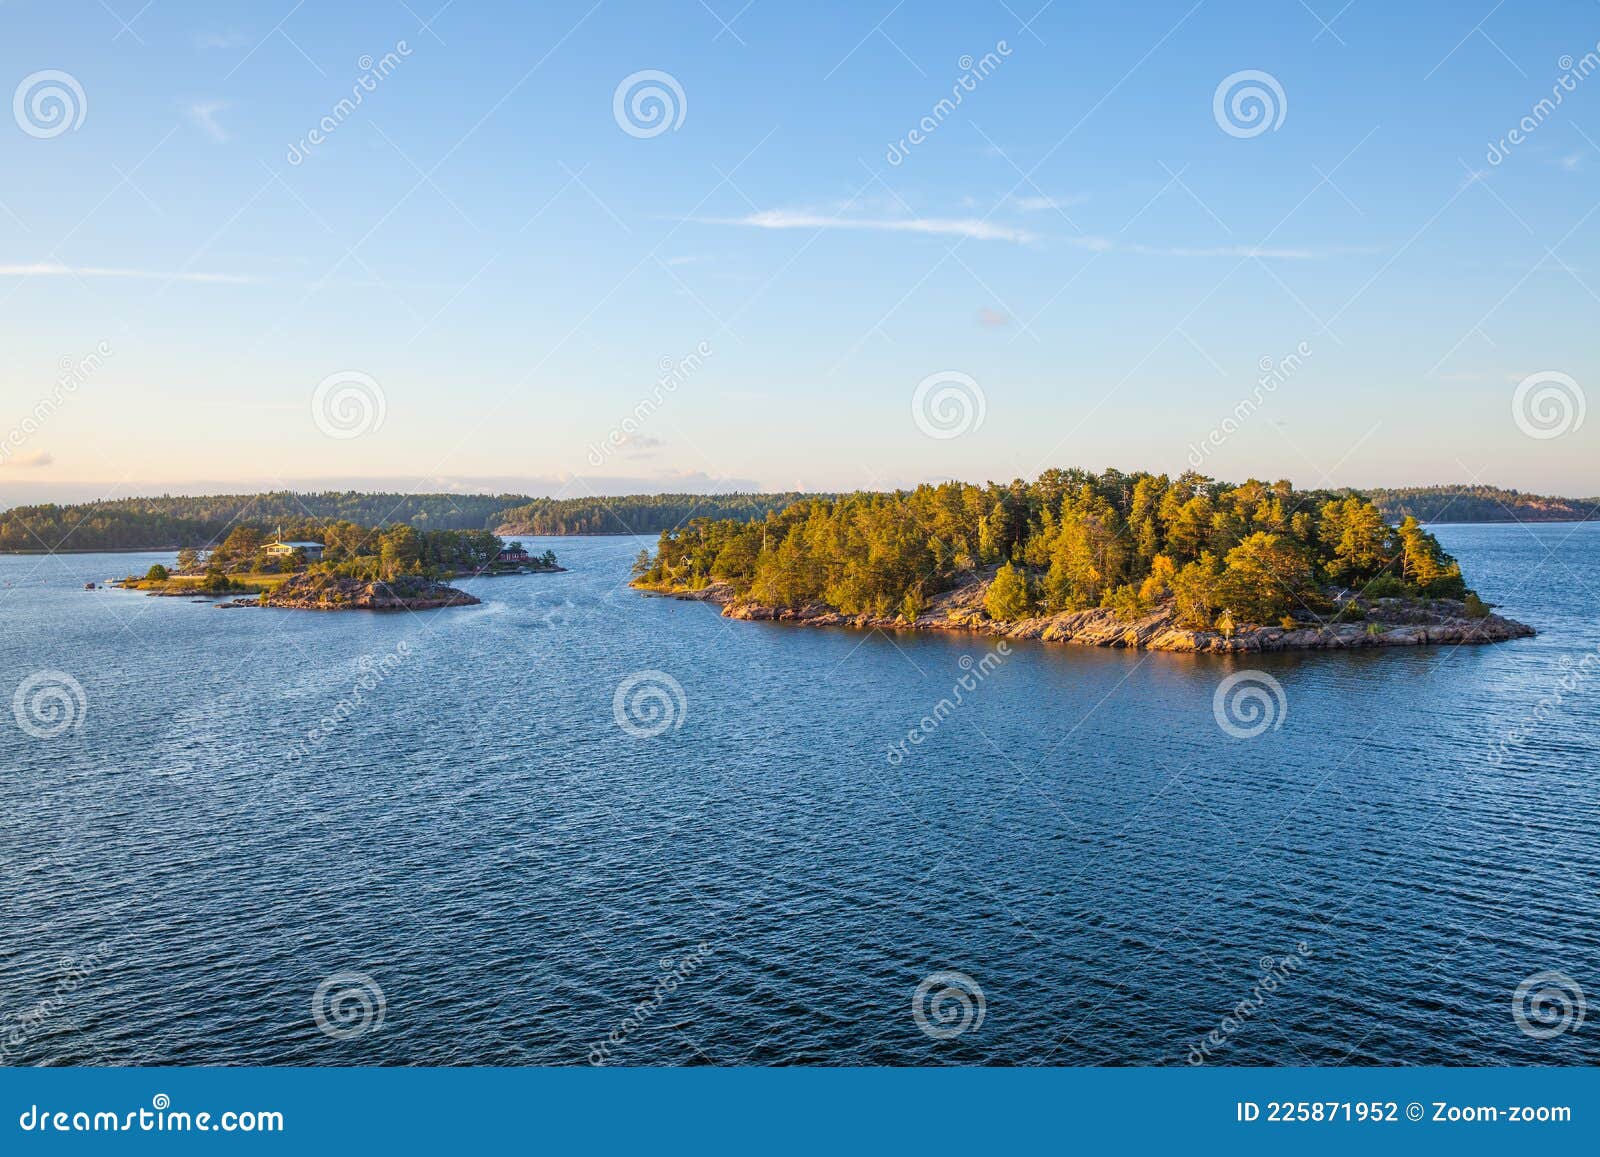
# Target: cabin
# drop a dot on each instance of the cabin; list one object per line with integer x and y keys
{"x": 283, "y": 549}
{"x": 514, "y": 554}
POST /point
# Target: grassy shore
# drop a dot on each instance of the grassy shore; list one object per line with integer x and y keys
{"x": 195, "y": 585}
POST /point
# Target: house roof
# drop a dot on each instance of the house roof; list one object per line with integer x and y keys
{"x": 296, "y": 545}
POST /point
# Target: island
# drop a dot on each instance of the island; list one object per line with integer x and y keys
{"x": 1112, "y": 559}
{"x": 340, "y": 566}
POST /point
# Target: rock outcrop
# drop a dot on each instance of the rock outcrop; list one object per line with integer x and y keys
{"x": 324, "y": 592}
{"x": 1387, "y": 623}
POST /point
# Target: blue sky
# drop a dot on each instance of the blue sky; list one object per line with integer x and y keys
{"x": 508, "y": 269}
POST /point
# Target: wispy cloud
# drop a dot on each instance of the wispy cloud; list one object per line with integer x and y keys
{"x": 970, "y": 227}
{"x": 204, "y": 115}
{"x": 52, "y": 269}
{"x": 32, "y": 461}
{"x": 1041, "y": 204}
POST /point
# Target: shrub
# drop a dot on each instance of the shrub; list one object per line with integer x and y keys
{"x": 1008, "y": 594}
{"x": 157, "y": 574}
{"x": 1385, "y": 586}
{"x": 1474, "y": 607}
{"x": 1288, "y": 623}
{"x": 1125, "y": 603}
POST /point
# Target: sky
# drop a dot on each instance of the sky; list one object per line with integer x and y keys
{"x": 431, "y": 245}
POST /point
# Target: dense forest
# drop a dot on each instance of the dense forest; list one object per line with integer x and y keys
{"x": 635, "y": 513}
{"x": 1480, "y": 504}
{"x": 134, "y": 523}
{"x": 1225, "y": 554}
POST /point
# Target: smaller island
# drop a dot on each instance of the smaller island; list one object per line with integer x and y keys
{"x": 340, "y": 566}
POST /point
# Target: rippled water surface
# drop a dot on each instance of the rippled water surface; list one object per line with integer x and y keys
{"x": 470, "y": 828}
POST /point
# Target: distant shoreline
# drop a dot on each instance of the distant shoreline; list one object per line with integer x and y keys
{"x": 647, "y": 534}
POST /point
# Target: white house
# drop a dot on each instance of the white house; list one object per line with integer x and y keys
{"x": 313, "y": 549}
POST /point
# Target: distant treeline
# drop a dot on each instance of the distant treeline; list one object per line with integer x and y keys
{"x": 132, "y": 523}
{"x": 169, "y": 521}
{"x": 637, "y": 513}
{"x": 1479, "y": 504}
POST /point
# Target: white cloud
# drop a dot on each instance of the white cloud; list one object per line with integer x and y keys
{"x": 204, "y": 115}
{"x": 969, "y": 227}
{"x": 53, "y": 269}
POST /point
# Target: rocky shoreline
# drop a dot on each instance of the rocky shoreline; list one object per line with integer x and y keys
{"x": 1387, "y": 623}
{"x": 322, "y": 592}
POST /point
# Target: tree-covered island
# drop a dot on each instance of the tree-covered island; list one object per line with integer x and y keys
{"x": 1110, "y": 559}
{"x": 341, "y": 565}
